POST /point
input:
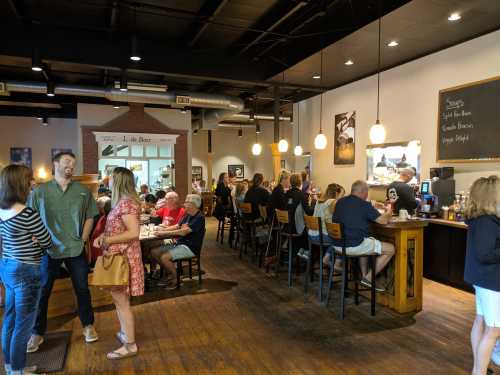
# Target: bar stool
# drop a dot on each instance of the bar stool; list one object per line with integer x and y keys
{"x": 222, "y": 226}
{"x": 336, "y": 231}
{"x": 283, "y": 218}
{"x": 247, "y": 227}
{"x": 314, "y": 223}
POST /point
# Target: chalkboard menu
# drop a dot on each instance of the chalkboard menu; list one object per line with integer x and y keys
{"x": 469, "y": 122}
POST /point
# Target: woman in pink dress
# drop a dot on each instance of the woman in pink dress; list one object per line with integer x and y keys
{"x": 121, "y": 235}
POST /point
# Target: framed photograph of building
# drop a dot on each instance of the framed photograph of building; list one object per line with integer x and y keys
{"x": 345, "y": 141}
{"x": 237, "y": 169}
{"x": 21, "y": 155}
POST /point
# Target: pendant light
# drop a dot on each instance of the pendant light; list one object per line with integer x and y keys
{"x": 283, "y": 143}
{"x": 134, "y": 53}
{"x": 377, "y": 131}
{"x": 256, "y": 148}
{"x": 298, "y": 149}
{"x": 320, "y": 141}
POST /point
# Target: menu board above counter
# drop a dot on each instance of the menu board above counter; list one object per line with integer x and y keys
{"x": 469, "y": 122}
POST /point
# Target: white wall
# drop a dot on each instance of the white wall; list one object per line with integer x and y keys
{"x": 409, "y": 106}
{"x": 29, "y": 132}
{"x": 228, "y": 148}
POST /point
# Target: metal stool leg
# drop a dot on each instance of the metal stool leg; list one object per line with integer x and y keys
{"x": 343, "y": 287}
{"x": 330, "y": 278}
{"x": 320, "y": 273}
{"x": 290, "y": 257}
{"x": 373, "y": 260}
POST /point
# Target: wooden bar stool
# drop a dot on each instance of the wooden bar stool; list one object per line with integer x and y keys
{"x": 336, "y": 231}
{"x": 248, "y": 227}
{"x": 314, "y": 223}
{"x": 283, "y": 218}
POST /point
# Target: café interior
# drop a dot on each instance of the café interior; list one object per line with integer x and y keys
{"x": 185, "y": 94}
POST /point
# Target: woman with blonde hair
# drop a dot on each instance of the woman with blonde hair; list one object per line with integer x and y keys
{"x": 482, "y": 267}
{"x": 121, "y": 235}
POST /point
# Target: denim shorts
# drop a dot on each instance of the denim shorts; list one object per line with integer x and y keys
{"x": 177, "y": 252}
{"x": 369, "y": 246}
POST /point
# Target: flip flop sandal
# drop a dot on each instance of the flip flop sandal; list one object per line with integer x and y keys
{"x": 115, "y": 355}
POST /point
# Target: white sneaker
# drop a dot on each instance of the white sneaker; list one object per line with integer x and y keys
{"x": 90, "y": 334}
{"x": 34, "y": 343}
{"x": 495, "y": 354}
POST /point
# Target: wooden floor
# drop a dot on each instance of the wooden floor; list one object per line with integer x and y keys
{"x": 245, "y": 322}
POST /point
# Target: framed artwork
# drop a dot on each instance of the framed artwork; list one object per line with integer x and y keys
{"x": 197, "y": 173}
{"x": 345, "y": 141}
{"x": 238, "y": 170}
{"x": 55, "y": 151}
{"x": 21, "y": 155}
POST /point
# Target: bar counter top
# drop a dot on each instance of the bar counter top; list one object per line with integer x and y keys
{"x": 450, "y": 223}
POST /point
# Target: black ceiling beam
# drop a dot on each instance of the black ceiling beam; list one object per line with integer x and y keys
{"x": 207, "y": 14}
{"x": 113, "y": 18}
{"x": 280, "y": 14}
{"x": 17, "y": 7}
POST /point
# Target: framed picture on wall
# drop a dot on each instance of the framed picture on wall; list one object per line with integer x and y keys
{"x": 345, "y": 141}
{"x": 55, "y": 151}
{"x": 197, "y": 173}
{"x": 21, "y": 155}
{"x": 237, "y": 169}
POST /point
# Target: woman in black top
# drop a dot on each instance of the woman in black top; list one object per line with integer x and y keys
{"x": 482, "y": 267}
{"x": 24, "y": 239}
{"x": 295, "y": 197}
{"x": 278, "y": 196}
{"x": 257, "y": 195}
{"x": 223, "y": 195}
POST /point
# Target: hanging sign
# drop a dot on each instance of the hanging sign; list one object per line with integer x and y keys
{"x": 135, "y": 138}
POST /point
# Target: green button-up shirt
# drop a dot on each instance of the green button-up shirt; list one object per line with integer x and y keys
{"x": 64, "y": 213}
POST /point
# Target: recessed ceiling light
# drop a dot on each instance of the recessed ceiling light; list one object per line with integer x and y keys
{"x": 316, "y": 76}
{"x": 116, "y": 106}
{"x": 135, "y": 58}
{"x": 36, "y": 68}
{"x": 454, "y": 17}
{"x": 393, "y": 43}
{"x": 349, "y": 62}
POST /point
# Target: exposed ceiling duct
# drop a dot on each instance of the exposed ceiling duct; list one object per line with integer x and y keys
{"x": 246, "y": 117}
{"x": 218, "y": 107}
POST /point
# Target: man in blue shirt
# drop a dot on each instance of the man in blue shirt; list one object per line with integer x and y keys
{"x": 356, "y": 214}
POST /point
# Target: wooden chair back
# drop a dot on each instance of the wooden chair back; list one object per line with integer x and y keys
{"x": 312, "y": 222}
{"x": 282, "y": 216}
{"x": 246, "y": 208}
{"x": 335, "y": 231}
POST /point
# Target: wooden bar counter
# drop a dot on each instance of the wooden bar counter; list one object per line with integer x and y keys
{"x": 404, "y": 295}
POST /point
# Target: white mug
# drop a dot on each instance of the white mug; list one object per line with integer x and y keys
{"x": 403, "y": 214}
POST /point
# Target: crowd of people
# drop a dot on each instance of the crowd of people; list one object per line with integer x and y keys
{"x": 45, "y": 226}
{"x": 60, "y": 222}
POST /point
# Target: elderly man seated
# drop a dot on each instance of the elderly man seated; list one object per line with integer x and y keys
{"x": 172, "y": 212}
{"x": 356, "y": 214}
{"x": 187, "y": 238}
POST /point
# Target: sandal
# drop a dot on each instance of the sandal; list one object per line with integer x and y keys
{"x": 115, "y": 355}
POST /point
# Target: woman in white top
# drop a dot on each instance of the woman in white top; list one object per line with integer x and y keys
{"x": 324, "y": 209}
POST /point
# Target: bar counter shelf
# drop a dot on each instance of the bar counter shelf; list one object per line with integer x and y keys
{"x": 404, "y": 295}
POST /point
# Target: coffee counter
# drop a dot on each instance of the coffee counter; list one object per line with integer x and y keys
{"x": 444, "y": 252}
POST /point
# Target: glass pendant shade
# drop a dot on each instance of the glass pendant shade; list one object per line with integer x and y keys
{"x": 377, "y": 133}
{"x": 298, "y": 150}
{"x": 283, "y": 145}
{"x": 320, "y": 141}
{"x": 256, "y": 149}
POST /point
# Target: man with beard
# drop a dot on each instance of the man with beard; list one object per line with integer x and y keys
{"x": 67, "y": 209}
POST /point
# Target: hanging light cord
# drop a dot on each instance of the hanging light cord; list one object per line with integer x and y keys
{"x": 321, "y": 96}
{"x": 378, "y": 74}
{"x": 298, "y": 123}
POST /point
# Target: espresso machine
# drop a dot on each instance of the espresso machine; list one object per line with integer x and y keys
{"x": 436, "y": 192}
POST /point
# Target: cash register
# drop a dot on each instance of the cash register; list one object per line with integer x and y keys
{"x": 436, "y": 192}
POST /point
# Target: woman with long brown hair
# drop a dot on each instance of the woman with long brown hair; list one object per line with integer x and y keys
{"x": 24, "y": 239}
{"x": 121, "y": 235}
{"x": 482, "y": 267}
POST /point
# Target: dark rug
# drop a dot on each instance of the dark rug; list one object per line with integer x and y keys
{"x": 51, "y": 356}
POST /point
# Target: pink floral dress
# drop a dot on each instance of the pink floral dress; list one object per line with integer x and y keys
{"x": 132, "y": 249}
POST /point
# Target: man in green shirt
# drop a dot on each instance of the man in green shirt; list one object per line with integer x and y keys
{"x": 67, "y": 209}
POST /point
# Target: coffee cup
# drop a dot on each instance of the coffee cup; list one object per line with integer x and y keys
{"x": 403, "y": 214}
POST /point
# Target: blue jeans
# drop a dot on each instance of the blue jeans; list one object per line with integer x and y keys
{"x": 22, "y": 283}
{"x": 78, "y": 270}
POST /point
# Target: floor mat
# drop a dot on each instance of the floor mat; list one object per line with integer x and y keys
{"x": 51, "y": 356}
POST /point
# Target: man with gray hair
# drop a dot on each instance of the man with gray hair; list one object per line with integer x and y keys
{"x": 187, "y": 238}
{"x": 400, "y": 194}
{"x": 355, "y": 213}
{"x": 172, "y": 213}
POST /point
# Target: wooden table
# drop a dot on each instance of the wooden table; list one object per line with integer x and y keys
{"x": 407, "y": 266}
